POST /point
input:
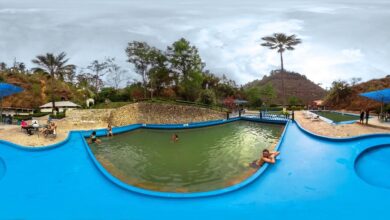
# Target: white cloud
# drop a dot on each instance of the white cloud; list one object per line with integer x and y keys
{"x": 227, "y": 33}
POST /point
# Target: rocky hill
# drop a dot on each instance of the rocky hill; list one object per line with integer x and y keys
{"x": 295, "y": 85}
{"x": 355, "y": 102}
{"x": 37, "y": 89}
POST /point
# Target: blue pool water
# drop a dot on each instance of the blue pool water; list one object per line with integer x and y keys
{"x": 315, "y": 178}
{"x": 373, "y": 166}
{"x": 2, "y": 168}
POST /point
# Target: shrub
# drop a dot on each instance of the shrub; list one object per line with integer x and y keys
{"x": 207, "y": 97}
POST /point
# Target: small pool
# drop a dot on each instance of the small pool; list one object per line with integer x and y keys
{"x": 338, "y": 117}
{"x": 203, "y": 159}
{"x": 373, "y": 166}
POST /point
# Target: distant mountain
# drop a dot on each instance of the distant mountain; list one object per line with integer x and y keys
{"x": 295, "y": 85}
{"x": 355, "y": 102}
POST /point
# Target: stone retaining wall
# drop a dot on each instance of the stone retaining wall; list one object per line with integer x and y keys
{"x": 151, "y": 113}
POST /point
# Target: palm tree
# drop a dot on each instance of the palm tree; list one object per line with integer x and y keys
{"x": 54, "y": 66}
{"x": 281, "y": 42}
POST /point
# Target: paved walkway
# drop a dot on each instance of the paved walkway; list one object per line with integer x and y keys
{"x": 342, "y": 130}
{"x": 314, "y": 179}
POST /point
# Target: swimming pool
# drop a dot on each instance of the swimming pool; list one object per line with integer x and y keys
{"x": 337, "y": 117}
{"x": 203, "y": 159}
{"x": 315, "y": 178}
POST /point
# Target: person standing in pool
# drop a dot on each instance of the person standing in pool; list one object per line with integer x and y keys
{"x": 109, "y": 131}
{"x": 361, "y": 117}
{"x": 367, "y": 116}
{"x": 93, "y": 138}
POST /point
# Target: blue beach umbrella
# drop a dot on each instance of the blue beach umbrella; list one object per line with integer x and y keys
{"x": 382, "y": 96}
{"x": 7, "y": 90}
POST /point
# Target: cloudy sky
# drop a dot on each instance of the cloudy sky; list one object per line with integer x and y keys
{"x": 342, "y": 39}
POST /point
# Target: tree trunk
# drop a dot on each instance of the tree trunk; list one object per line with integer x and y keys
{"x": 282, "y": 72}
{"x": 144, "y": 82}
{"x": 281, "y": 61}
{"x": 53, "y": 104}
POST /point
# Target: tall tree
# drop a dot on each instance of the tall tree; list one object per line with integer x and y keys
{"x": 158, "y": 73}
{"x": 116, "y": 74}
{"x": 281, "y": 42}
{"x": 54, "y": 66}
{"x": 186, "y": 66}
{"x": 138, "y": 54}
{"x": 99, "y": 69}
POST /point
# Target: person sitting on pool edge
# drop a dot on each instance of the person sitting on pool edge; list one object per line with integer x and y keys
{"x": 175, "y": 137}
{"x": 93, "y": 138}
{"x": 269, "y": 157}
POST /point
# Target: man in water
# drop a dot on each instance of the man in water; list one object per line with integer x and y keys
{"x": 269, "y": 157}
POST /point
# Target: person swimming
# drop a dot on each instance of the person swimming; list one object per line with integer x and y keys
{"x": 175, "y": 138}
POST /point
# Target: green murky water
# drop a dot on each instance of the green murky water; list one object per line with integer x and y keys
{"x": 337, "y": 116}
{"x": 203, "y": 159}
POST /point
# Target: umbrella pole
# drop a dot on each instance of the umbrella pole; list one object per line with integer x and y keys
{"x": 1, "y": 110}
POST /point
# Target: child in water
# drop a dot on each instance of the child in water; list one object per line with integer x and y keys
{"x": 93, "y": 138}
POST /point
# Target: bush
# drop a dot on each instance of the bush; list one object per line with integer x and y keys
{"x": 40, "y": 114}
{"x": 59, "y": 115}
{"x": 207, "y": 97}
{"x": 272, "y": 109}
{"x": 22, "y": 117}
{"x": 295, "y": 108}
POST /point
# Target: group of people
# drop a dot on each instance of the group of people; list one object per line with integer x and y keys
{"x": 50, "y": 129}
{"x": 364, "y": 115}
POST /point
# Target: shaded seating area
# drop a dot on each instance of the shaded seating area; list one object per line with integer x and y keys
{"x": 382, "y": 96}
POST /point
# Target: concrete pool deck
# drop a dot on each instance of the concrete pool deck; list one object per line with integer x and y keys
{"x": 314, "y": 179}
{"x": 340, "y": 130}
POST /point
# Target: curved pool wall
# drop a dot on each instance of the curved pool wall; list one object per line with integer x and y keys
{"x": 314, "y": 179}
{"x": 103, "y": 132}
{"x": 333, "y": 122}
{"x": 373, "y": 166}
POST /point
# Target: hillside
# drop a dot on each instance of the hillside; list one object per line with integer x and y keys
{"x": 295, "y": 84}
{"x": 37, "y": 90}
{"x": 356, "y": 102}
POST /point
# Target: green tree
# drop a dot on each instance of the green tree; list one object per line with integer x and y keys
{"x": 253, "y": 95}
{"x": 99, "y": 69}
{"x": 54, "y": 66}
{"x": 293, "y": 100}
{"x": 207, "y": 97}
{"x": 138, "y": 54}
{"x": 338, "y": 92}
{"x": 158, "y": 74}
{"x": 186, "y": 66}
{"x": 268, "y": 93}
{"x": 281, "y": 42}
